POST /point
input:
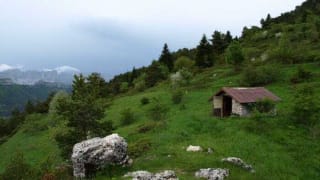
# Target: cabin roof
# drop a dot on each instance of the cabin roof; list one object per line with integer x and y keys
{"x": 248, "y": 95}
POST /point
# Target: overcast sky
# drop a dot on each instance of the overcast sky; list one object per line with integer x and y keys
{"x": 113, "y": 36}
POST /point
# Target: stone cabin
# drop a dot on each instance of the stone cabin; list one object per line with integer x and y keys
{"x": 235, "y": 100}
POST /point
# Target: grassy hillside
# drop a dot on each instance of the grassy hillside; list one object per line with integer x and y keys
{"x": 292, "y": 37}
{"x": 274, "y": 146}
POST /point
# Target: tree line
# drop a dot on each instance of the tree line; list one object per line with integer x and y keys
{"x": 208, "y": 53}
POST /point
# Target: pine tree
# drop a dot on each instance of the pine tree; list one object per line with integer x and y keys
{"x": 268, "y": 19}
{"x": 265, "y": 23}
{"x": 29, "y": 107}
{"x": 83, "y": 112}
{"x": 79, "y": 88}
{"x": 262, "y": 22}
{"x": 155, "y": 73}
{"x": 96, "y": 85}
{"x": 133, "y": 75}
{"x": 204, "y": 57}
{"x": 217, "y": 42}
{"x": 228, "y": 38}
{"x": 166, "y": 57}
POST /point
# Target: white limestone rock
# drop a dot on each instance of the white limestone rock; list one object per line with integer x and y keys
{"x": 191, "y": 148}
{"x": 278, "y": 35}
{"x": 139, "y": 175}
{"x": 145, "y": 175}
{"x": 212, "y": 174}
{"x": 97, "y": 153}
{"x": 210, "y": 151}
{"x": 239, "y": 162}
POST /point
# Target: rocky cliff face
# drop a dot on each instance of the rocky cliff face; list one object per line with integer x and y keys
{"x": 18, "y": 76}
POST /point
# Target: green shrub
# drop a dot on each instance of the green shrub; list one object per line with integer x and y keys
{"x": 144, "y": 101}
{"x": 257, "y": 76}
{"x": 263, "y": 106}
{"x": 18, "y": 169}
{"x": 186, "y": 76}
{"x": 65, "y": 141}
{"x": 124, "y": 87}
{"x": 54, "y": 103}
{"x": 149, "y": 126}
{"x": 257, "y": 123}
{"x": 127, "y": 117}
{"x": 139, "y": 147}
{"x": 184, "y": 62}
{"x": 183, "y": 106}
{"x": 284, "y": 52}
{"x": 301, "y": 75}
{"x": 35, "y": 123}
{"x": 177, "y": 96}
{"x": 51, "y": 170}
{"x": 158, "y": 111}
{"x": 305, "y": 107}
{"x": 33, "y": 127}
{"x": 140, "y": 83}
{"x": 315, "y": 131}
{"x": 181, "y": 78}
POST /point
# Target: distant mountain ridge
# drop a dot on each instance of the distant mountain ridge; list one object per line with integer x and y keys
{"x": 61, "y": 75}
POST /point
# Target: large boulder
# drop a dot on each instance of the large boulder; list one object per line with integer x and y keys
{"x": 145, "y": 175}
{"x": 96, "y": 153}
{"x": 239, "y": 162}
{"x": 212, "y": 174}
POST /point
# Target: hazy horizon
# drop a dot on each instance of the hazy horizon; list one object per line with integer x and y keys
{"x": 112, "y": 37}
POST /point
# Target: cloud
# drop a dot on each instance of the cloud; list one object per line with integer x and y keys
{"x": 6, "y": 67}
{"x": 64, "y": 69}
{"x": 67, "y": 69}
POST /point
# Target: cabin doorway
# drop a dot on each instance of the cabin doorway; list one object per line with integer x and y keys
{"x": 227, "y": 106}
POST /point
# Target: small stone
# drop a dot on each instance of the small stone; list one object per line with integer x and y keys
{"x": 278, "y": 35}
{"x": 145, "y": 175}
{"x": 191, "y": 148}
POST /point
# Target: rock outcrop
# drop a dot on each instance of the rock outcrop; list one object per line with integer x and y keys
{"x": 239, "y": 162}
{"x": 96, "y": 153}
{"x": 212, "y": 174}
{"x": 145, "y": 175}
{"x": 191, "y": 148}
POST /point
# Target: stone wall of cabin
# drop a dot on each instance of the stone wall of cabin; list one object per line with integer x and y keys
{"x": 239, "y": 109}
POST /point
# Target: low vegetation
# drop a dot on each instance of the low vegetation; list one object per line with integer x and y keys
{"x": 177, "y": 96}
{"x": 260, "y": 76}
{"x": 127, "y": 117}
{"x": 281, "y": 144}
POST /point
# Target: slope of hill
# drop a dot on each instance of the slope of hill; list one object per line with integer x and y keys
{"x": 276, "y": 148}
{"x": 292, "y": 37}
{"x": 15, "y": 96}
